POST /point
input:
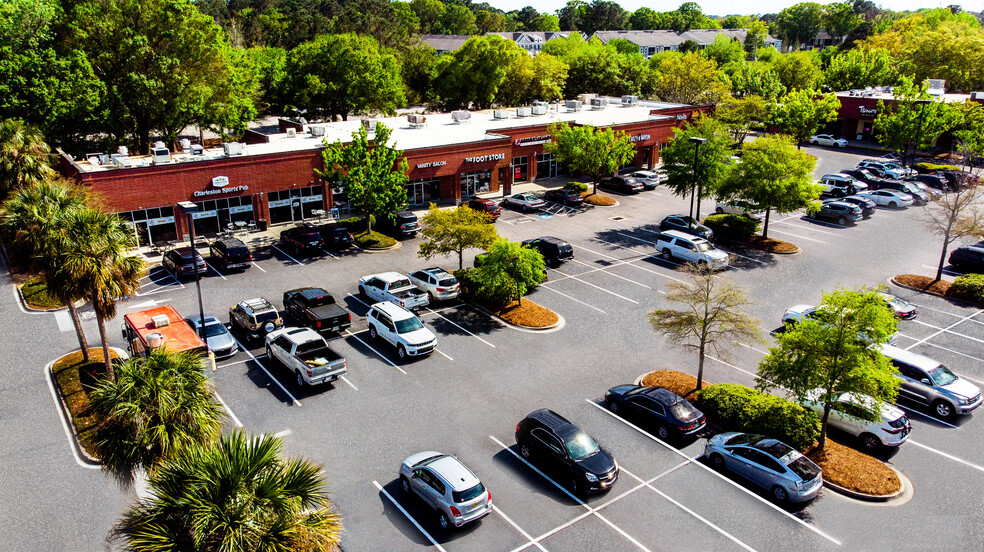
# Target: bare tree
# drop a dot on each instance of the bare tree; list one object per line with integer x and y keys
{"x": 712, "y": 316}
{"x": 955, "y": 215}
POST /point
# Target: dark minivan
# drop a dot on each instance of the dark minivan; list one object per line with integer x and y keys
{"x": 230, "y": 253}
{"x": 183, "y": 261}
{"x": 550, "y": 440}
{"x": 554, "y": 250}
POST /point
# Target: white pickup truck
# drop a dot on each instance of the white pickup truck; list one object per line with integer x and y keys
{"x": 304, "y": 352}
{"x": 393, "y": 287}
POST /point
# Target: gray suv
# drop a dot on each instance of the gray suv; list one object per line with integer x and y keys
{"x": 929, "y": 382}
{"x": 447, "y": 486}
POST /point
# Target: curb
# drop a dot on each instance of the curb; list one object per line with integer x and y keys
{"x": 397, "y": 245}
{"x": 944, "y": 297}
{"x": 29, "y": 308}
{"x": 906, "y": 488}
{"x": 561, "y": 321}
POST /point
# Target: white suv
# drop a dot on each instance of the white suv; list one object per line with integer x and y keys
{"x": 401, "y": 328}
{"x": 847, "y": 413}
{"x": 676, "y": 244}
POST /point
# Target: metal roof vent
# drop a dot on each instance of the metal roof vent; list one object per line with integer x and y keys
{"x": 369, "y": 125}
{"x": 573, "y": 105}
{"x": 500, "y": 113}
{"x": 599, "y": 103}
{"x": 461, "y": 116}
{"x": 416, "y": 121}
{"x": 630, "y": 100}
{"x": 540, "y": 108}
{"x": 232, "y": 148}
{"x": 523, "y": 112}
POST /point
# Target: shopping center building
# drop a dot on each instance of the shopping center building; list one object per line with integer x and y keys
{"x": 271, "y": 179}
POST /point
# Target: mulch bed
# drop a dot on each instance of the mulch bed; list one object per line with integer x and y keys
{"x": 772, "y": 246}
{"x": 674, "y": 381}
{"x": 924, "y": 283}
{"x": 854, "y": 470}
{"x": 74, "y": 379}
{"x": 36, "y": 295}
{"x": 595, "y": 199}
{"x": 528, "y": 314}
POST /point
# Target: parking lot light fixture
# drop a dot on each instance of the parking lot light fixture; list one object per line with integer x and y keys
{"x": 697, "y": 141}
{"x": 922, "y": 111}
{"x": 190, "y": 208}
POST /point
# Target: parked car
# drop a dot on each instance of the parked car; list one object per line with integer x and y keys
{"x": 564, "y": 197}
{"x": 934, "y": 181}
{"x": 524, "y": 201}
{"x": 674, "y": 244}
{"x": 401, "y": 328}
{"x": 445, "y": 484}
{"x": 904, "y": 171}
{"x": 316, "y": 308}
{"x": 958, "y": 179}
{"x": 867, "y": 206}
{"x": 183, "y": 262}
{"x": 655, "y": 409}
{"x": 851, "y": 413}
{"x": 863, "y": 175}
{"x": 554, "y": 250}
{"x": 686, "y": 223}
{"x": 229, "y": 253}
{"x": 486, "y": 206}
{"x": 220, "y": 342}
{"x": 405, "y": 224}
{"x": 900, "y": 307}
{"x": 549, "y": 440}
{"x": 798, "y": 313}
{"x": 888, "y": 198}
{"x": 839, "y": 212}
{"x": 929, "y": 382}
{"x": 437, "y": 283}
{"x": 306, "y": 354}
{"x": 968, "y": 258}
{"x": 621, "y": 184}
{"x": 302, "y": 240}
{"x": 827, "y": 140}
{"x": 256, "y": 317}
{"x": 336, "y": 236}
{"x": 881, "y": 168}
{"x": 768, "y": 463}
{"x": 393, "y": 287}
{"x": 649, "y": 179}
{"x": 840, "y": 185}
{"x": 740, "y": 207}
{"x": 919, "y": 197}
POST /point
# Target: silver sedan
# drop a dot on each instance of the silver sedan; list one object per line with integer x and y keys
{"x": 217, "y": 336}
{"x": 768, "y": 463}
{"x": 887, "y": 198}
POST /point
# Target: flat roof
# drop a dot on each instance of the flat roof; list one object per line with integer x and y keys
{"x": 886, "y": 93}
{"x": 178, "y": 335}
{"x": 440, "y": 129}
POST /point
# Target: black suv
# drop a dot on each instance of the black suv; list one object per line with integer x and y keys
{"x": 564, "y": 197}
{"x": 839, "y": 212}
{"x": 968, "y": 258}
{"x": 686, "y": 223}
{"x": 867, "y": 206}
{"x": 301, "y": 240}
{"x": 621, "y": 184}
{"x": 336, "y": 236}
{"x": 657, "y": 410}
{"x": 548, "y": 439}
{"x": 554, "y": 250}
{"x": 183, "y": 261}
{"x": 933, "y": 181}
{"x": 230, "y": 253}
{"x": 406, "y": 224}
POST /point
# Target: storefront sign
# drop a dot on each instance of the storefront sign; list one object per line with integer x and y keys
{"x": 639, "y": 138}
{"x": 241, "y": 209}
{"x": 163, "y": 220}
{"x": 431, "y": 164}
{"x": 220, "y": 181}
{"x": 484, "y": 158}
{"x": 279, "y": 203}
{"x": 310, "y": 199}
{"x": 867, "y": 111}
{"x": 203, "y": 214}
{"x": 681, "y": 116}
{"x": 203, "y": 193}
{"x": 533, "y": 141}
{"x": 518, "y": 173}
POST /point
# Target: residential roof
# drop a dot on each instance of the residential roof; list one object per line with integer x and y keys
{"x": 666, "y": 38}
{"x": 444, "y": 43}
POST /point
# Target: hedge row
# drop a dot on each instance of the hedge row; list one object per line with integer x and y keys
{"x": 969, "y": 287}
{"x": 732, "y": 227}
{"x": 923, "y": 168}
{"x": 578, "y": 187}
{"x": 739, "y": 408}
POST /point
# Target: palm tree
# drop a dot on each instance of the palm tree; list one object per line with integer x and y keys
{"x": 96, "y": 260}
{"x": 155, "y": 408}
{"x": 32, "y": 224}
{"x": 237, "y": 495}
{"x": 24, "y": 155}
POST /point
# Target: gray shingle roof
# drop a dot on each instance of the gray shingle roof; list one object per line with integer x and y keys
{"x": 444, "y": 43}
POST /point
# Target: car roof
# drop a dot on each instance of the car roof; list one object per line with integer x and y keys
{"x": 257, "y": 304}
{"x": 801, "y": 308}
{"x": 436, "y": 271}
{"x": 302, "y": 335}
{"x": 662, "y": 396}
{"x": 481, "y": 200}
{"x": 388, "y": 276}
{"x": 231, "y": 242}
{"x": 209, "y": 319}
{"x": 396, "y": 312}
{"x": 551, "y": 239}
{"x": 552, "y": 420}
{"x": 454, "y": 473}
{"x": 682, "y": 235}
{"x": 645, "y": 173}
{"x": 310, "y": 292}
{"x": 909, "y": 357}
{"x": 840, "y": 204}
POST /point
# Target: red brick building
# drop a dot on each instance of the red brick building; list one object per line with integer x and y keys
{"x": 272, "y": 179}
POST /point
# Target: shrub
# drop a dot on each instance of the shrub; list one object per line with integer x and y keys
{"x": 969, "y": 287}
{"x": 579, "y": 187}
{"x": 36, "y": 294}
{"x": 373, "y": 240}
{"x": 739, "y": 408}
{"x": 923, "y": 168}
{"x": 732, "y": 227}
{"x": 356, "y": 222}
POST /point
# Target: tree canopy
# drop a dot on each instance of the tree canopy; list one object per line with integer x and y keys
{"x": 447, "y": 231}
{"x": 800, "y": 113}
{"x": 711, "y": 165}
{"x": 508, "y": 272}
{"x": 585, "y": 149}
{"x": 914, "y": 119}
{"x": 689, "y": 78}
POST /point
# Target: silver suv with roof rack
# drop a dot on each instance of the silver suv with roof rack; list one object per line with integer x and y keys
{"x": 437, "y": 283}
{"x": 257, "y": 317}
{"x": 447, "y": 486}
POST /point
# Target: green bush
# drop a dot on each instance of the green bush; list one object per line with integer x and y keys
{"x": 356, "y": 222}
{"x": 969, "y": 287}
{"x": 923, "y": 168}
{"x": 732, "y": 227}
{"x": 373, "y": 240}
{"x": 579, "y": 187}
{"x": 739, "y": 408}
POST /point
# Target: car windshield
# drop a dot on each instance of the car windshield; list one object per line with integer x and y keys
{"x": 215, "y": 328}
{"x": 581, "y": 445}
{"x": 942, "y": 375}
{"x": 267, "y": 317}
{"x": 402, "y": 283}
{"x": 705, "y": 246}
{"x": 899, "y": 304}
{"x": 682, "y": 410}
{"x": 408, "y": 325}
{"x": 469, "y": 494}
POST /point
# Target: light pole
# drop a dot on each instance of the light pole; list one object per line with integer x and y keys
{"x": 697, "y": 141}
{"x": 922, "y": 111}
{"x": 190, "y": 208}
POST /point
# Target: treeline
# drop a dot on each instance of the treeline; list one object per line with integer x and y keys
{"x": 93, "y": 74}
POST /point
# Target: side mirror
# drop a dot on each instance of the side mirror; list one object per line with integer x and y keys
{"x": 926, "y": 381}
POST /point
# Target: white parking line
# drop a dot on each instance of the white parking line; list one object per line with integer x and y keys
{"x": 267, "y": 372}
{"x": 954, "y": 352}
{"x": 444, "y": 355}
{"x": 797, "y": 236}
{"x": 950, "y": 456}
{"x": 544, "y": 286}
{"x": 812, "y": 229}
{"x": 722, "y": 477}
{"x": 975, "y": 313}
{"x": 945, "y": 271}
{"x": 258, "y": 266}
{"x": 596, "y": 287}
{"x": 591, "y": 510}
{"x": 215, "y": 270}
{"x": 629, "y": 262}
{"x": 630, "y": 236}
{"x": 605, "y": 270}
{"x": 235, "y": 420}
{"x": 948, "y": 331}
{"x": 286, "y": 255}
{"x": 357, "y": 298}
{"x": 750, "y": 347}
{"x": 908, "y": 410}
{"x": 413, "y": 521}
{"x": 742, "y": 256}
{"x": 953, "y": 314}
{"x": 730, "y": 537}
{"x": 380, "y": 355}
{"x": 326, "y": 252}
{"x": 459, "y": 327}
{"x": 533, "y": 542}
{"x": 345, "y": 379}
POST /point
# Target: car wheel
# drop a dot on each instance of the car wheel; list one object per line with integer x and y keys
{"x": 430, "y": 297}
{"x": 372, "y": 332}
{"x": 893, "y": 205}
{"x": 444, "y": 521}
{"x": 404, "y": 484}
{"x": 663, "y": 432}
{"x": 300, "y": 380}
{"x": 525, "y": 208}
{"x": 870, "y": 442}
{"x": 717, "y": 461}
{"x": 613, "y": 406}
{"x": 524, "y": 451}
{"x": 779, "y": 493}
{"x": 401, "y": 351}
{"x": 842, "y": 221}
{"x": 943, "y": 409}
{"x": 666, "y": 255}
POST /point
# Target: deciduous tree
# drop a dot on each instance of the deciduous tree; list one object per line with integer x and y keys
{"x": 508, "y": 272}
{"x": 835, "y": 352}
{"x": 688, "y": 79}
{"x": 739, "y": 115}
{"x": 473, "y": 75}
{"x": 914, "y": 120}
{"x": 710, "y": 163}
{"x": 800, "y": 113}
{"x": 955, "y": 215}
{"x": 859, "y": 68}
{"x": 799, "y": 24}
{"x": 585, "y": 149}
{"x": 798, "y": 70}
{"x": 447, "y": 231}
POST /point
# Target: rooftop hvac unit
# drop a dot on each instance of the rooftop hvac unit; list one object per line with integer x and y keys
{"x": 232, "y": 148}
{"x": 302, "y": 120}
{"x": 977, "y": 95}
{"x": 98, "y": 158}
{"x": 369, "y": 125}
{"x": 291, "y": 132}
{"x": 523, "y": 112}
{"x": 185, "y": 144}
{"x": 461, "y": 116}
{"x": 599, "y": 103}
{"x": 573, "y": 105}
{"x": 416, "y": 121}
{"x": 118, "y": 160}
{"x": 630, "y": 100}
{"x": 937, "y": 87}
{"x": 317, "y": 131}
{"x": 160, "y": 155}
{"x": 160, "y": 320}
{"x": 159, "y": 144}
{"x": 197, "y": 149}
{"x": 586, "y": 98}
{"x": 500, "y": 113}
{"x": 123, "y": 151}
{"x": 540, "y": 108}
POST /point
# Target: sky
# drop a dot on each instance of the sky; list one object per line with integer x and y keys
{"x": 729, "y": 7}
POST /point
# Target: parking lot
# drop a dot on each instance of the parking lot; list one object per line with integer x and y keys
{"x": 466, "y": 397}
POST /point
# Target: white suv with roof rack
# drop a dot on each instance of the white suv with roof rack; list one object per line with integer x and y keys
{"x": 439, "y": 284}
{"x": 401, "y": 328}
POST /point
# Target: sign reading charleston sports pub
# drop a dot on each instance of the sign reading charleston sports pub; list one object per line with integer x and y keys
{"x": 219, "y": 186}
{"x": 484, "y": 158}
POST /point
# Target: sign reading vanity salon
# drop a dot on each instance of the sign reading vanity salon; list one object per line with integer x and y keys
{"x": 220, "y": 185}
{"x": 431, "y": 164}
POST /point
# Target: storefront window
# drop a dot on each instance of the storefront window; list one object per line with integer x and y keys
{"x": 423, "y": 191}
{"x": 477, "y": 182}
{"x": 152, "y": 230}
{"x": 294, "y": 205}
{"x": 217, "y": 215}
{"x": 521, "y": 169}
{"x": 546, "y": 166}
